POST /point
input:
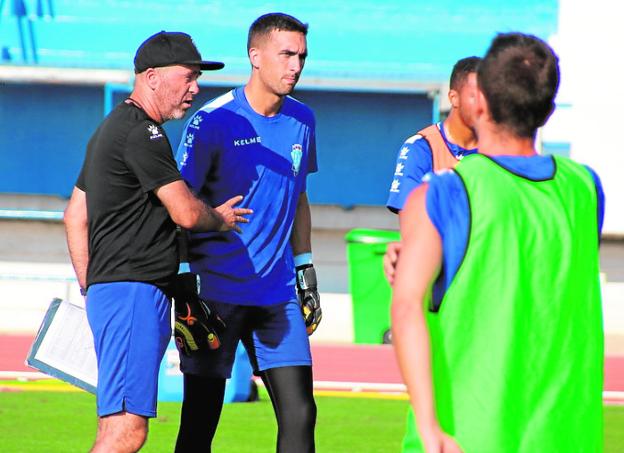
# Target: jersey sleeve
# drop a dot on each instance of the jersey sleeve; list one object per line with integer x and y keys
{"x": 148, "y": 155}
{"x": 197, "y": 148}
{"x": 413, "y": 162}
{"x": 312, "y": 166}
{"x": 448, "y": 209}
{"x": 600, "y": 196}
{"x": 80, "y": 182}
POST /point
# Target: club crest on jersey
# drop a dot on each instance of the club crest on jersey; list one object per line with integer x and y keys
{"x": 153, "y": 129}
{"x": 296, "y": 154}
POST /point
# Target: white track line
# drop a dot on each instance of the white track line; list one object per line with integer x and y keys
{"x": 608, "y": 395}
{"x": 26, "y": 375}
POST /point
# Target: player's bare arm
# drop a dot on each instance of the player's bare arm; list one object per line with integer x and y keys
{"x": 192, "y": 214}
{"x": 307, "y": 288}
{"x": 76, "y": 229}
{"x": 391, "y": 257}
{"x": 300, "y": 239}
{"x": 417, "y": 267}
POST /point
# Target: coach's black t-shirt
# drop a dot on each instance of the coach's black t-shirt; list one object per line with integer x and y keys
{"x": 131, "y": 236}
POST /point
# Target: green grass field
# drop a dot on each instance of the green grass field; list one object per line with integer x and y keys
{"x": 46, "y": 421}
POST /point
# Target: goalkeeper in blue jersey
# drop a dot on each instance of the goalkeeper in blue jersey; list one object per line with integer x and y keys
{"x": 256, "y": 141}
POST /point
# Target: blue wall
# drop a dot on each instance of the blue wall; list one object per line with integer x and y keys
{"x": 358, "y": 137}
{"x": 44, "y": 128}
{"x": 43, "y": 133}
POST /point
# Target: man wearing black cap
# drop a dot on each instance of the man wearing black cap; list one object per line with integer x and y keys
{"x": 121, "y": 234}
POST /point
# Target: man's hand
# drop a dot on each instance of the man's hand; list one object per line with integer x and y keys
{"x": 197, "y": 327}
{"x": 439, "y": 442}
{"x": 309, "y": 298}
{"x": 231, "y": 215}
{"x": 390, "y": 260}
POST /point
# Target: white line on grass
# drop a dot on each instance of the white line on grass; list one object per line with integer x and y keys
{"x": 608, "y": 395}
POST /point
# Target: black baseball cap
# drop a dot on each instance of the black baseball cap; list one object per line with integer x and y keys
{"x": 168, "y": 48}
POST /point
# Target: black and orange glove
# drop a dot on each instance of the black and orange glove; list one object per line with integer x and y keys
{"x": 308, "y": 296}
{"x": 197, "y": 327}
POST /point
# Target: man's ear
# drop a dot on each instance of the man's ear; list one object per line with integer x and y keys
{"x": 152, "y": 78}
{"x": 481, "y": 105}
{"x": 453, "y": 96}
{"x": 254, "y": 57}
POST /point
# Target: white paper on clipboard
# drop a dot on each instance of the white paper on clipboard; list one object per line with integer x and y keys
{"x": 63, "y": 347}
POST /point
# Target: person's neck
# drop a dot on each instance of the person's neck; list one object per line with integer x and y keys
{"x": 458, "y": 133}
{"x": 494, "y": 141}
{"x": 261, "y": 100}
{"x": 145, "y": 103}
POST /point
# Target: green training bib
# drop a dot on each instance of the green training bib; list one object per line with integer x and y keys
{"x": 517, "y": 344}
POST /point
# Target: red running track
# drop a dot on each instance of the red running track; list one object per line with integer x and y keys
{"x": 337, "y": 363}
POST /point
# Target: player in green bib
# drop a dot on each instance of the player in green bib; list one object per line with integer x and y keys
{"x": 496, "y": 312}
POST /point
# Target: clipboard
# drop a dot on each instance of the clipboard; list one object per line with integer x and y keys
{"x": 63, "y": 347}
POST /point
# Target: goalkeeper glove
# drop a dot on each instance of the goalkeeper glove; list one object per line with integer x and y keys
{"x": 197, "y": 327}
{"x": 308, "y": 296}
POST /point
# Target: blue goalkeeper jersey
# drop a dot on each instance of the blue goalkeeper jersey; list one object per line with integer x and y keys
{"x": 228, "y": 149}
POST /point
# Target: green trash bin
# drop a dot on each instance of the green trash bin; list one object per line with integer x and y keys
{"x": 370, "y": 291}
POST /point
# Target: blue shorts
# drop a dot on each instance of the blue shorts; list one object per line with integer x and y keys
{"x": 274, "y": 336}
{"x": 131, "y": 325}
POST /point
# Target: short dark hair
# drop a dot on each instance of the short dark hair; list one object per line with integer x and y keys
{"x": 519, "y": 78}
{"x": 265, "y": 24}
{"x": 461, "y": 70}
